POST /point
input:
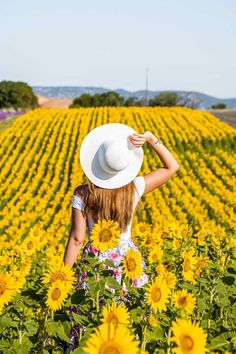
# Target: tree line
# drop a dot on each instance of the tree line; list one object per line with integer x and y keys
{"x": 19, "y": 95}
{"x": 112, "y": 98}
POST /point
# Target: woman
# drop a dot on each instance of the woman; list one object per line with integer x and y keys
{"x": 111, "y": 158}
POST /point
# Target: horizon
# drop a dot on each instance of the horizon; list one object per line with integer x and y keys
{"x": 121, "y": 88}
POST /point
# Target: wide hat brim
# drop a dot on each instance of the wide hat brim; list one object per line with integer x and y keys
{"x": 89, "y": 156}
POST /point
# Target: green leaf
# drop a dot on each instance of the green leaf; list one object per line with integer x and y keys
{"x": 56, "y": 329}
{"x": 4, "y": 344}
{"x": 80, "y": 319}
{"x": 62, "y": 335}
{"x": 112, "y": 283}
{"x": 78, "y": 351}
{"x": 22, "y": 348}
{"x": 109, "y": 263}
{"x": 218, "y": 342}
{"x": 201, "y": 304}
{"x": 155, "y": 334}
{"x": 31, "y": 327}
{"x": 51, "y": 327}
{"x": 136, "y": 313}
{"x": 93, "y": 287}
{"x": 77, "y": 297}
{"x": 7, "y": 322}
{"x": 222, "y": 301}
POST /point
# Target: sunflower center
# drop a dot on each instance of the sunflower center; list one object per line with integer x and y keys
{"x": 186, "y": 265}
{"x": 56, "y": 293}
{"x": 2, "y": 286}
{"x": 35, "y": 233}
{"x": 58, "y": 275}
{"x": 148, "y": 241}
{"x": 131, "y": 264}
{"x": 182, "y": 300}
{"x": 30, "y": 245}
{"x": 112, "y": 318}
{"x": 156, "y": 294}
{"x": 105, "y": 235}
{"x": 142, "y": 228}
{"x": 187, "y": 343}
{"x": 109, "y": 350}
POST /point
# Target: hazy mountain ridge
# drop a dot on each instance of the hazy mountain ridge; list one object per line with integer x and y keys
{"x": 202, "y": 100}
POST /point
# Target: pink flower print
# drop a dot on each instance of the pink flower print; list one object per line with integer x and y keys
{"x": 93, "y": 250}
{"x": 135, "y": 283}
{"x": 124, "y": 290}
{"x": 114, "y": 255}
{"x": 116, "y": 273}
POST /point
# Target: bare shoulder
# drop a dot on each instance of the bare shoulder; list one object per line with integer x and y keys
{"x": 81, "y": 190}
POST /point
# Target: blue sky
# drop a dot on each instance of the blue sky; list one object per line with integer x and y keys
{"x": 186, "y": 45}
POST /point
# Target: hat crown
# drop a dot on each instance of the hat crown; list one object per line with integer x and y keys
{"x": 107, "y": 156}
{"x": 114, "y": 155}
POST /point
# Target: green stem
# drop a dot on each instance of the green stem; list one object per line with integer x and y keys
{"x": 53, "y": 340}
{"x": 168, "y": 340}
{"x": 144, "y": 340}
{"x": 212, "y": 294}
{"x": 97, "y": 304}
{"x": 44, "y": 333}
{"x": 97, "y": 297}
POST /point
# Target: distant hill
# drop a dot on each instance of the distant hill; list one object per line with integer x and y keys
{"x": 201, "y": 100}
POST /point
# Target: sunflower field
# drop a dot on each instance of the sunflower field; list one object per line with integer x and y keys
{"x": 185, "y": 231}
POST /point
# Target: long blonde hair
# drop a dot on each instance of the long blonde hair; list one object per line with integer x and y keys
{"x": 114, "y": 204}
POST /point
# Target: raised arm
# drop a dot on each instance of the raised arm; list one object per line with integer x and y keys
{"x": 160, "y": 175}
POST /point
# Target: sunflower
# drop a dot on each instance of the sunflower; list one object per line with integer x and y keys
{"x": 184, "y": 300}
{"x": 132, "y": 264}
{"x": 19, "y": 277}
{"x": 116, "y": 314}
{"x": 160, "y": 269}
{"x": 8, "y": 288}
{"x": 26, "y": 267}
{"x": 105, "y": 234}
{"x": 170, "y": 279}
{"x": 189, "y": 265}
{"x": 188, "y": 272}
{"x": 142, "y": 228}
{"x": 189, "y": 337}
{"x": 155, "y": 254}
{"x": 157, "y": 294}
{"x": 148, "y": 241}
{"x": 201, "y": 237}
{"x": 56, "y": 295}
{"x": 108, "y": 339}
{"x": 152, "y": 321}
{"x": 176, "y": 244}
{"x": 30, "y": 245}
{"x": 62, "y": 272}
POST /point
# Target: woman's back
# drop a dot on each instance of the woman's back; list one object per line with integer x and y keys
{"x": 78, "y": 203}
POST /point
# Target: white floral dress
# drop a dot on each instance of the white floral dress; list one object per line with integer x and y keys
{"x": 116, "y": 254}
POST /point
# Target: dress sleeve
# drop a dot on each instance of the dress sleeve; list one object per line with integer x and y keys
{"x": 140, "y": 185}
{"x": 77, "y": 202}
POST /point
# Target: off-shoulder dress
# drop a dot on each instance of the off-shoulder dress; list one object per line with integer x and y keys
{"x": 126, "y": 242}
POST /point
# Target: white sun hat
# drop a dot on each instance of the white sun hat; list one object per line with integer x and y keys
{"x": 107, "y": 156}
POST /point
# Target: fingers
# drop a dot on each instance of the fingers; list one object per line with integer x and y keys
{"x": 137, "y": 139}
